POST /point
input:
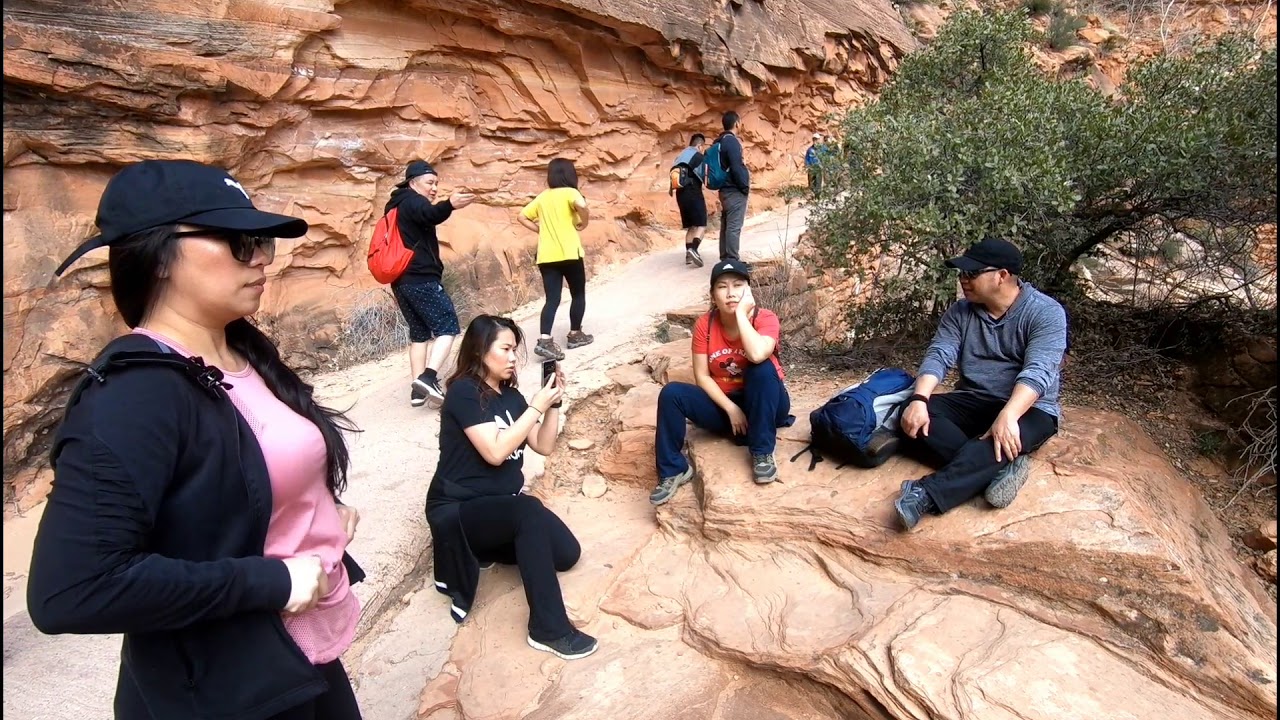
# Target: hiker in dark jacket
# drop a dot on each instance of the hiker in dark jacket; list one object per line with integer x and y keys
{"x": 733, "y": 196}
{"x": 194, "y": 504}
{"x": 427, "y": 308}
{"x": 1007, "y": 341}
{"x": 476, "y": 506}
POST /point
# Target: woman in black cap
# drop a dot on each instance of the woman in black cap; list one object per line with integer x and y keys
{"x": 194, "y": 505}
{"x": 739, "y": 390}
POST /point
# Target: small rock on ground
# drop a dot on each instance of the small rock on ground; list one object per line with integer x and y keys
{"x": 594, "y": 486}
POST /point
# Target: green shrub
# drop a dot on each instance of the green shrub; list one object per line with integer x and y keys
{"x": 1039, "y": 7}
{"x": 1063, "y": 27}
{"x": 969, "y": 138}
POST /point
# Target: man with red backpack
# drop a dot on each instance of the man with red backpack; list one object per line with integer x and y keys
{"x": 427, "y": 308}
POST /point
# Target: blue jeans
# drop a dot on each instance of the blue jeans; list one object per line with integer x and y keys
{"x": 763, "y": 399}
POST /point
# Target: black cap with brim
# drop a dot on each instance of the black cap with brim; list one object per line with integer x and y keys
{"x": 156, "y": 193}
{"x": 965, "y": 264}
{"x": 729, "y": 267}
{"x": 416, "y": 168}
{"x": 245, "y": 220}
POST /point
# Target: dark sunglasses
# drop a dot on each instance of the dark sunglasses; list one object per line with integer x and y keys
{"x": 971, "y": 274}
{"x": 242, "y": 245}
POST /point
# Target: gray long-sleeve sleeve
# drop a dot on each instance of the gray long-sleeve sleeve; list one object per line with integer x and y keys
{"x": 1046, "y": 344}
{"x": 944, "y": 349}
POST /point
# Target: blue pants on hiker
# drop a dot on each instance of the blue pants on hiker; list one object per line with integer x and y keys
{"x": 763, "y": 399}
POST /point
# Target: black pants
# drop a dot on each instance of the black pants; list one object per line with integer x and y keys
{"x": 968, "y": 465}
{"x": 553, "y": 277}
{"x": 337, "y": 703}
{"x": 520, "y": 530}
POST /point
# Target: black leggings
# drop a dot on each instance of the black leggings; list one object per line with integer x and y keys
{"x": 520, "y": 530}
{"x": 337, "y": 703}
{"x": 553, "y": 277}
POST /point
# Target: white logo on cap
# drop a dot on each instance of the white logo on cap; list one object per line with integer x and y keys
{"x": 727, "y": 266}
{"x": 236, "y": 185}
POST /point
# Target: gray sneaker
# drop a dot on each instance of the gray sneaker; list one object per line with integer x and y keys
{"x": 668, "y": 486}
{"x": 764, "y": 469}
{"x": 1004, "y": 488}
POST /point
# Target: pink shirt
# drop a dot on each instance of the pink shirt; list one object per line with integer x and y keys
{"x": 304, "y": 516}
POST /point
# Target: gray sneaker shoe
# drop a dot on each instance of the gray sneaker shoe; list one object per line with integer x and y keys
{"x": 668, "y": 486}
{"x": 1004, "y": 488}
{"x": 547, "y": 349}
{"x": 764, "y": 469}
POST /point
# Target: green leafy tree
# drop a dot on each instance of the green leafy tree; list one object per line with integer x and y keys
{"x": 971, "y": 138}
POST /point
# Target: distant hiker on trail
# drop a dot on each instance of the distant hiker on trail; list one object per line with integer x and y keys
{"x": 1006, "y": 339}
{"x": 687, "y": 177}
{"x": 739, "y": 391}
{"x": 812, "y": 163}
{"x": 557, "y": 214}
{"x": 727, "y": 173}
{"x": 427, "y": 308}
{"x": 476, "y": 507}
{"x": 194, "y": 504}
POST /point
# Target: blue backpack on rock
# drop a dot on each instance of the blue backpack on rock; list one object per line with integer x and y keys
{"x": 859, "y": 424}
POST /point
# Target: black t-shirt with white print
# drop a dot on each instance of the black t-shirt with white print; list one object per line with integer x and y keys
{"x": 463, "y": 473}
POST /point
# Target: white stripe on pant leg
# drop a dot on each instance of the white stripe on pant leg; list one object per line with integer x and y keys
{"x": 461, "y": 613}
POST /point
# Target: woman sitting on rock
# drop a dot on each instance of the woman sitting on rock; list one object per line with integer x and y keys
{"x": 557, "y": 214}
{"x": 475, "y": 507}
{"x": 739, "y": 390}
{"x": 194, "y": 504}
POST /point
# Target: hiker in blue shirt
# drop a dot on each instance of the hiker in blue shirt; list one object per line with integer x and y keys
{"x": 812, "y": 157}
{"x": 689, "y": 197}
{"x": 1006, "y": 340}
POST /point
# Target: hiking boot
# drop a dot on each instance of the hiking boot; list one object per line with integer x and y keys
{"x": 1004, "y": 488}
{"x": 576, "y": 644}
{"x": 691, "y": 255}
{"x": 576, "y": 339}
{"x": 764, "y": 469}
{"x": 547, "y": 349}
{"x": 417, "y": 397}
{"x": 912, "y": 503}
{"x": 667, "y": 486}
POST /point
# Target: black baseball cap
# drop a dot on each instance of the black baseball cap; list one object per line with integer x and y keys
{"x": 990, "y": 252}
{"x": 154, "y": 193}
{"x": 414, "y": 169}
{"x": 731, "y": 266}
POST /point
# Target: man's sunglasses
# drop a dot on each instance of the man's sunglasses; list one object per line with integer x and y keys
{"x": 971, "y": 274}
{"x": 242, "y": 245}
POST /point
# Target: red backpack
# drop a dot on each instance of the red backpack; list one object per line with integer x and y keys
{"x": 388, "y": 257}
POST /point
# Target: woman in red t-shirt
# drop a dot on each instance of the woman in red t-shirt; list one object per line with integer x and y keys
{"x": 739, "y": 390}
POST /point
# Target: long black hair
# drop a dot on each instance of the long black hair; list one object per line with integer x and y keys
{"x": 562, "y": 173}
{"x": 138, "y": 265}
{"x": 482, "y": 332}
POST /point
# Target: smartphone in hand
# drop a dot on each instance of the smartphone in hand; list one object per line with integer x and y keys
{"x": 548, "y": 369}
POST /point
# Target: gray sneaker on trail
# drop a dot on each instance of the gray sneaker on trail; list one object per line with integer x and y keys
{"x": 764, "y": 469}
{"x": 1004, "y": 489}
{"x": 667, "y": 486}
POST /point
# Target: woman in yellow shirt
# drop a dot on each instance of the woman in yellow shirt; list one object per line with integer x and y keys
{"x": 557, "y": 214}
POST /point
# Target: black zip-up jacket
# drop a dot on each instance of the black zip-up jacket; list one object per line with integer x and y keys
{"x": 733, "y": 162}
{"x": 417, "y": 221}
{"x": 155, "y": 528}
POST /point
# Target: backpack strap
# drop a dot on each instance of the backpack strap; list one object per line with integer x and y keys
{"x": 814, "y": 456}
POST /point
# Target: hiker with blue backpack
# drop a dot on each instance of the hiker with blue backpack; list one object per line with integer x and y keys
{"x": 687, "y": 177}
{"x": 1007, "y": 340}
{"x": 740, "y": 390}
{"x": 728, "y": 173}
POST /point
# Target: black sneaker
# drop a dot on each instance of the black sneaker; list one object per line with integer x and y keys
{"x": 912, "y": 504}
{"x": 667, "y": 486}
{"x": 764, "y": 469}
{"x": 487, "y": 565}
{"x": 417, "y": 398}
{"x": 576, "y": 644}
{"x": 693, "y": 255}
{"x": 688, "y": 256}
{"x": 435, "y": 393}
{"x": 1004, "y": 488}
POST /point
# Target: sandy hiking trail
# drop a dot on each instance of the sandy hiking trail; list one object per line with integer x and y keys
{"x": 73, "y": 677}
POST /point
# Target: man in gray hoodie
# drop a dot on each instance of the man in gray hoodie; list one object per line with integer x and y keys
{"x": 1007, "y": 340}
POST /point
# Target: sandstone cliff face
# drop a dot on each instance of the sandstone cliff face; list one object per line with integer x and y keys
{"x": 315, "y": 106}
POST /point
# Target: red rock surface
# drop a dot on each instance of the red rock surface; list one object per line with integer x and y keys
{"x": 1107, "y": 590}
{"x": 316, "y": 105}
